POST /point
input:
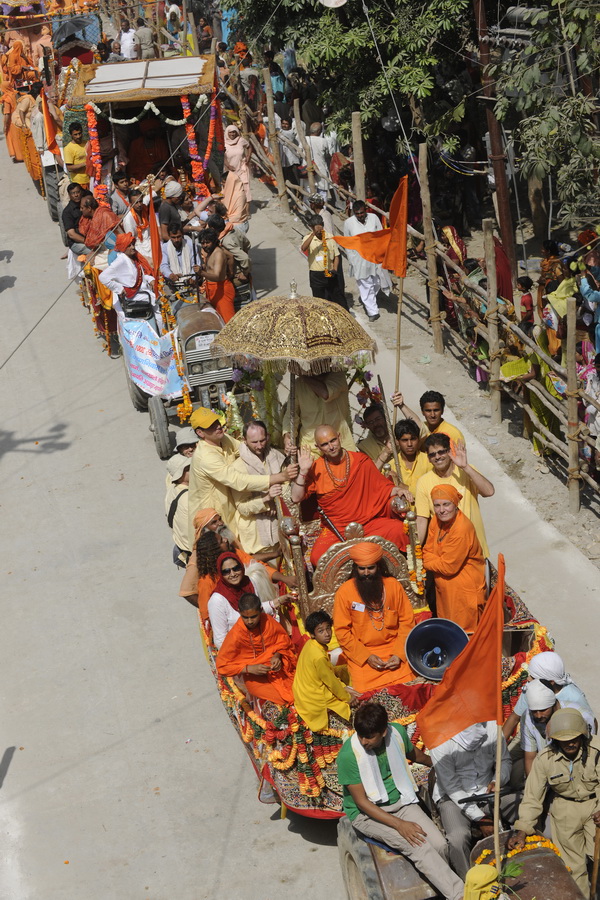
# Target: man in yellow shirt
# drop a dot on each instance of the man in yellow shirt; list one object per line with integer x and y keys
{"x": 320, "y": 400}
{"x": 74, "y": 155}
{"x": 413, "y": 462}
{"x": 450, "y": 466}
{"x": 323, "y": 261}
{"x": 318, "y": 685}
{"x": 432, "y": 407}
{"x": 213, "y": 476}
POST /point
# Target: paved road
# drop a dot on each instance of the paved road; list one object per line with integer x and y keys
{"x": 122, "y": 777}
{"x": 127, "y": 780}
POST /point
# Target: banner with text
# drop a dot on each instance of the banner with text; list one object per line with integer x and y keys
{"x": 150, "y": 359}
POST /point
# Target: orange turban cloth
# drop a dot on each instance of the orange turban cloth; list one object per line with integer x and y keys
{"x": 366, "y": 554}
{"x": 202, "y": 518}
{"x": 446, "y": 492}
{"x": 123, "y": 242}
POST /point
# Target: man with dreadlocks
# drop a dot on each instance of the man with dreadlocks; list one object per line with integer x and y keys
{"x": 372, "y": 617}
{"x": 567, "y": 773}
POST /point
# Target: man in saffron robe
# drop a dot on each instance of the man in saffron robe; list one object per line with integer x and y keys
{"x": 258, "y": 649}
{"x": 372, "y": 617}
{"x": 454, "y": 555}
{"x": 349, "y": 488}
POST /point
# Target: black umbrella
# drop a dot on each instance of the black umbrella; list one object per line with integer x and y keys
{"x": 72, "y": 27}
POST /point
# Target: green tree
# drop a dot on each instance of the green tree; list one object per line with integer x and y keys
{"x": 547, "y": 91}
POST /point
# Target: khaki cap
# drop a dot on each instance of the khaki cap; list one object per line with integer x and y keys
{"x": 566, "y": 724}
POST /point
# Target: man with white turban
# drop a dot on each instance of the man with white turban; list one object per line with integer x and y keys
{"x": 168, "y": 213}
{"x": 542, "y": 702}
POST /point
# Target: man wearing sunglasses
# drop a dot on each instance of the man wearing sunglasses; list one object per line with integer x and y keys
{"x": 450, "y": 466}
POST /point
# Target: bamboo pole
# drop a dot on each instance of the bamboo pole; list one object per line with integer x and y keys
{"x": 310, "y": 169}
{"x": 194, "y": 34}
{"x": 572, "y": 398}
{"x": 492, "y": 321}
{"x": 358, "y": 157}
{"x": 497, "y": 785}
{"x": 388, "y": 422}
{"x": 432, "y": 281}
{"x": 398, "y": 338}
{"x": 274, "y": 143}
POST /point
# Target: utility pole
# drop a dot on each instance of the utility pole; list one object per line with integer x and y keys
{"x": 497, "y": 155}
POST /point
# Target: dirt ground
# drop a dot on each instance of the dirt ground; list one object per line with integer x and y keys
{"x": 542, "y": 481}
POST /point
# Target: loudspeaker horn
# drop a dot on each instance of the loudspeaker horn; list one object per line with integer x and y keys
{"x": 432, "y": 645}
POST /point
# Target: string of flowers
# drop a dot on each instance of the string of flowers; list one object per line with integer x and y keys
{"x": 197, "y": 167}
{"x": 532, "y": 842}
{"x": 66, "y": 78}
{"x": 100, "y": 190}
{"x": 215, "y": 116}
{"x": 414, "y": 562}
{"x": 326, "y": 270}
{"x": 148, "y": 107}
{"x": 235, "y": 423}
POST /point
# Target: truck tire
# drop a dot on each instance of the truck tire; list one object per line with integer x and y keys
{"x": 50, "y": 177}
{"x": 358, "y": 870}
{"x": 159, "y": 426}
{"x": 137, "y": 395}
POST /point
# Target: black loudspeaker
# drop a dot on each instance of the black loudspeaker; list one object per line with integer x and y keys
{"x": 432, "y": 645}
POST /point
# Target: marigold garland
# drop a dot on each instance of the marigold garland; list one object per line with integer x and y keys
{"x": 100, "y": 190}
{"x": 532, "y": 842}
{"x": 197, "y": 167}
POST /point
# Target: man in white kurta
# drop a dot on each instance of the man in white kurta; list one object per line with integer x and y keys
{"x": 370, "y": 277}
{"x": 126, "y": 274}
{"x": 257, "y": 525}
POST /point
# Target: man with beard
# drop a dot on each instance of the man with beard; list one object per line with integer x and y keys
{"x": 258, "y": 650}
{"x": 372, "y": 617}
{"x": 257, "y": 524}
{"x": 542, "y": 703}
{"x": 348, "y": 488}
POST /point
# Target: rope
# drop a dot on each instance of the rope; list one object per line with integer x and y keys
{"x": 573, "y": 475}
{"x": 581, "y": 430}
{"x": 576, "y": 393}
{"x": 439, "y": 317}
{"x": 495, "y": 354}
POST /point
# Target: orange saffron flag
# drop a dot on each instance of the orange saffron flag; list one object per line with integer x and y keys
{"x": 49, "y": 126}
{"x": 471, "y": 689}
{"x": 388, "y": 246}
{"x": 155, "y": 241}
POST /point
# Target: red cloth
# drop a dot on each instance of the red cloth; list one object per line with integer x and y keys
{"x": 95, "y": 229}
{"x": 243, "y": 647}
{"x": 365, "y": 498}
{"x": 221, "y": 295}
{"x": 232, "y": 594}
{"x": 471, "y": 689}
{"x": 388, "y": 246}
{"x": 503, "y": 272}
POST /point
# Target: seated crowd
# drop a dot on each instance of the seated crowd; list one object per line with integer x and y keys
{"x": 224, "y": 501}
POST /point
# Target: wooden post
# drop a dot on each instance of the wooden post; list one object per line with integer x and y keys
{"x": 186, "y": 25}
{"x": 492, "y": 320}
{"x": 572, "y": 400}
{"x": 192, "y": 26}
{"x": 359, "y": 162}
{"x": 398, "y": 337}
{"x": 497, "y": 785}
{"x": 305, "y": 146}
{"x": 432, "y": 279}
{"x": 388, "y": 422}
{"x": 274, "y": 143}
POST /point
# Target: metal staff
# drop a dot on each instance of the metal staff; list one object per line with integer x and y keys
{"x": 388, "y": 422}
{"x": 330, "y": 524}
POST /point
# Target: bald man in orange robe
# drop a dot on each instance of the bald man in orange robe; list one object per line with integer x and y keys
{"x": 372, "y": 617}
{"x": 258, "y": 649}
{"x": 454, "y": 555}
{"x": 349, "y": 488}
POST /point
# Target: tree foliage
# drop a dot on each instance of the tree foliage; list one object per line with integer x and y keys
{"x": 548, "y": 90}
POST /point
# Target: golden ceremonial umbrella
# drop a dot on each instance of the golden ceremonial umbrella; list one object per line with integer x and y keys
{"x": 303, "y": 334}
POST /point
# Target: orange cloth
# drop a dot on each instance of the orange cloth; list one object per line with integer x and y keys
{"x": 202, "y": 518}
{"x": 123, "y": 242}
{"x": 49, "y": 126}
{"x": 359, "y": 639}
{"x": 11, "y": 132}
{"x": 471, "y": 689}
{"x": 366, "y": 554}
{"x": 95, "y": 229}
{"x": 221, "y": 295}
{"x": 454, "y": 555}
{"x": 242, "y": 648}
{"x": 365, "y": 498}
{"x": 446, "y": 492}
{"x": 206, "y": 587}
{"x": 388, "y": 246}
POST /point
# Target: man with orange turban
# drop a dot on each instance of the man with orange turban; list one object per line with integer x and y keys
{"x": 372, "y": 617}
{"x": 258, "y": 649}
{"x": 454, "y": 555}
{"x": 349, "y": 488}
{"x": 130, "y": 272}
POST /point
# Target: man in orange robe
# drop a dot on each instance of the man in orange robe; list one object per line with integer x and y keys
{"x": 372, "y": 617}
{"x": 349, "y": 488}
{"x": 454, "y": 555}
{"x": 258, "y": 649}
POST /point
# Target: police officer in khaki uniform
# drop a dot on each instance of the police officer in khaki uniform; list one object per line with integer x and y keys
{"x": 568, "y": 768}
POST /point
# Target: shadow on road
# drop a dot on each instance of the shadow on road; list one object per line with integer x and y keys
{"x": 6, "y": 255}
{"x": 5, "y": 763}
{"x": 7, "y": 281}
{"x": 49, "y": 443}
{"x": 313, "y": 831}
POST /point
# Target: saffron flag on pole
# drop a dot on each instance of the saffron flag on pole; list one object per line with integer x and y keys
{"x": 388, "y": 246}
{"x": 155, "y": 242}
{"x": 471, "y": 689}
{"x": 49, "y": 126}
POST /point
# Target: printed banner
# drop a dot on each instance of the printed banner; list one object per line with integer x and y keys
{"x": 149, "y": 359}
